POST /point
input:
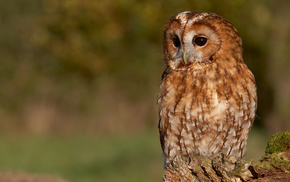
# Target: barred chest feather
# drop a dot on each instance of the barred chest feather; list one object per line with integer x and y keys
{"x": 206, "y": 111}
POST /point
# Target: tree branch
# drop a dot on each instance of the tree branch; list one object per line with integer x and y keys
{"x": 274, "y": 166}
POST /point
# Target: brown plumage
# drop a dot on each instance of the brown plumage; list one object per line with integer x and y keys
{"x": 207, "y": 99}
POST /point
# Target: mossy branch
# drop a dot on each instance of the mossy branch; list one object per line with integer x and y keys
{"x": 274, "y": 166}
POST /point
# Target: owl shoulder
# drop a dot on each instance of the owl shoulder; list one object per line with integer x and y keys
{"x": 166, "y": 72}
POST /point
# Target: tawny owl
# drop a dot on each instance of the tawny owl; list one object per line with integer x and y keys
{"x": 207, "y": 99}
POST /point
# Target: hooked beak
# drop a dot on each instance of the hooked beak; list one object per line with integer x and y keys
{"x": 184, "y": 58}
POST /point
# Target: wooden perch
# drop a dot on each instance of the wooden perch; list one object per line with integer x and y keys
{"x": 274, "y": 166}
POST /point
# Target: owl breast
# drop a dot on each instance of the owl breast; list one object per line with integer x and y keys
{"x": 207, "y": 111}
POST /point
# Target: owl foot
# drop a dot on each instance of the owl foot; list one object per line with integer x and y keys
{"x": 225, "y": 162}
{"x": 199, "y": 168}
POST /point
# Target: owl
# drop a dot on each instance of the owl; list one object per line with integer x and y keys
{"x": 207, "y": 98}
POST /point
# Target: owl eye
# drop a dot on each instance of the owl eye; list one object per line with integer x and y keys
{"x": 200, "y": 41}
{"x": 176, "y": 42}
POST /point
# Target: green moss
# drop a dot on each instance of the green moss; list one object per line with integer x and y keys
{"x": 278, "y": 142}
{"x": 277, "y": 160}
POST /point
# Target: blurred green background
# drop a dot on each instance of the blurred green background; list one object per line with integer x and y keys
{"x": 79, "y": 82}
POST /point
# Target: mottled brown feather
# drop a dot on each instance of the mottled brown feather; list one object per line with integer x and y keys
{"x": 206, "y": 105}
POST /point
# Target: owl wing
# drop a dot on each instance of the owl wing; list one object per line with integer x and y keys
{"x": 161, "y": 133}
{"x": 166, "y": 72}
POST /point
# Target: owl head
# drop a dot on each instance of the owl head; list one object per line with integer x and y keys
{"x": 193, "y": 39}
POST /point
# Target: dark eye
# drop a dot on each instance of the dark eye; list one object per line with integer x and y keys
{"x": 176, "y": 42}
{"x": 200, "y": 41}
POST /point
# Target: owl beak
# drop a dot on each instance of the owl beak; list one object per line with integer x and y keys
{"x": 184, "y": 58}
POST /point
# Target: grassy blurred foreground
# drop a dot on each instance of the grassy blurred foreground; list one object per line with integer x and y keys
{"x": 124, "y": 158}
{"x": 87, "y": 159}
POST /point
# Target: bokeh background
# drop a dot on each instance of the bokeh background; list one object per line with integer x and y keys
{"x": 79, "y": 82}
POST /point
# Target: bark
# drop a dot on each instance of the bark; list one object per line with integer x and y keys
{"x": 274, "y": 166}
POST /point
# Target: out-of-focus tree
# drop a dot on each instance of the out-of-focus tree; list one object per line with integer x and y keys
{"x": 278, "y": 61}
{"x": 95, "y": 66}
